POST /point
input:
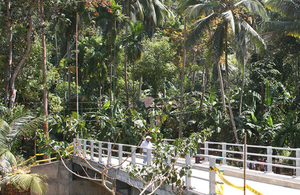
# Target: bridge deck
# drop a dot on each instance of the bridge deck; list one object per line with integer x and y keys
{"x": 266, "y": 183}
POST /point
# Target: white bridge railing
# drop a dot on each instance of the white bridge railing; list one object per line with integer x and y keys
{"x": 116, "y": 153}
{"x": 272, "y": 155}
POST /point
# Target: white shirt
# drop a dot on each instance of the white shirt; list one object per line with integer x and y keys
{"x": 146, "y": 145}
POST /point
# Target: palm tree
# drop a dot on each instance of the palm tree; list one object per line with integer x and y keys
{"x": 155, "y": 13}
{"x": 221, "y": 15}
{"x": 289, "y": 24}
{"x": 134, "y": 47}
{"x": 10, "y": 172}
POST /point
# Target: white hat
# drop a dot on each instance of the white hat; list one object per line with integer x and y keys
{"x": 148, "y": 137}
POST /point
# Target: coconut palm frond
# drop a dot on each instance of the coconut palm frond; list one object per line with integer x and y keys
{"x": 36, "y": 123}
{"x": 200, "y": 28}
{"x": 139, "y": 10}
{"x": 183, "y": 5}
{"x": 216, "y": 43}
{"x": 255, "y": 7}
{"x": 281, "y": 26}
{"x": 5, "y": 130}
{"x": 38, "y": 184}
{"x": 240, "y": 45}
{"x": 35, "y": 182}
{"x": 163, "y": 9}
{"x": 229, "y": 17}
{"x": 7, "y": 161}
{"x": 252, "y": 32}
{"x": 288, "y": 8}
{"x": 193, "y": 12}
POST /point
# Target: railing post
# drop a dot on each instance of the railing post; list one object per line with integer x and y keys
{"x": 224, "y": 153}
{"x": 245, "y": 155}
{"x": 100, "y": 152}
{"x": 109, "y": 154}
{"x": 206, "y": 151}
{"x": 298, "y": 163}
{"x": 133, "y": 148}
{"x": 120, "y": 154}
{"x": 149, "y": 157}
{"x": 188, "y": 180}
{"x": 92, "y": 150}
{"x": 74, "y": 146}
{"x": 84, "y": 148}
{"x": 269, "y": 159}
{"x": 212, "y": 177}
{"x": 79, "y": 149}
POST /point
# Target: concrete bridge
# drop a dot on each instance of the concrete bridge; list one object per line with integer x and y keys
{"x": 223, "y": 156}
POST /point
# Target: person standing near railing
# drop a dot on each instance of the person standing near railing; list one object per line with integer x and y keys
{"x": 147, "y": 146}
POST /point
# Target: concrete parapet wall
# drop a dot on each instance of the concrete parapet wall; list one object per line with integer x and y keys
{"x": 60, "y": 180}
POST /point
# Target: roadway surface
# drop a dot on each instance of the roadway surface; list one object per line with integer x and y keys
{"x": 264, "y": 188}
{"x": 201, "y": 186}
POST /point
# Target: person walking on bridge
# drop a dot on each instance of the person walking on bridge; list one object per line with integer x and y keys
{"x": 147, "y": 146}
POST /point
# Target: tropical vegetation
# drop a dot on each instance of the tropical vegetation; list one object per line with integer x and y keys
{"x": 103, "y": 69}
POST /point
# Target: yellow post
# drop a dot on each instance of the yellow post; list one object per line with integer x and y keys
{"x": 221, "y": 184}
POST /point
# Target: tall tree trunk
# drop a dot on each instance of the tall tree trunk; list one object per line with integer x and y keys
{"x": 221, "y": 87}
{"x": 140, "y": 87}
{"x": 12, "y": 90}
{"x": 297, "y": 80}
{"x": 45, "y": 99}
{"x": 68, "y": 60}
{"x": 56, "y": 48}
{"x": 9, "y": 40}
{"x": 125, "y": 57}
{"x": 227, "y": 87}
{"x": 262, "y": 99}
{"x": 125, "y": 72}
{"x": 202, "y": 98}
{"x": 181, "y": 84}
{"x": 242, "y": 89}
{"x": 111, "y": 77}
{"x": 76, "y": 64}
{"x": 133, "y": 91}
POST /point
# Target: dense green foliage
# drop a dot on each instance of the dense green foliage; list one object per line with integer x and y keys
{"x": 134, "y": 51}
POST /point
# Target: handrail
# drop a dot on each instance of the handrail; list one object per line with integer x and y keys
{"x": 266, "y": 152}
{"x": 223, "y": 151}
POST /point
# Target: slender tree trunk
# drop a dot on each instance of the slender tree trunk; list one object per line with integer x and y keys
{"x": 125, "y": 57}
{"x": 221, "y": 87}
{"x": 181, "y": 84}
{"x": 111, "y": 78}
{"x": 140, "y": 87}
{"x": 9, "y": 40}
{"x": 194, "y": 79}
{"x": 296, "y": 81}
{"x": 56, "y": 48}
{"x": 262, "y": 99}
{"x": 202, "y": 98}
{"x": 76, "y": 64}
{"x": 68, "y": 60}
{"x": 133, "y": 91}
{"x": 125, "y": 72}
{"x": 193, "y": 82}
{"x": 45, "y": 99}
{"x": 12, "y": 89}
{"x": 242, "y": 89}
{"x": 227, "y": 87}
{"x": 100, "y": 94}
